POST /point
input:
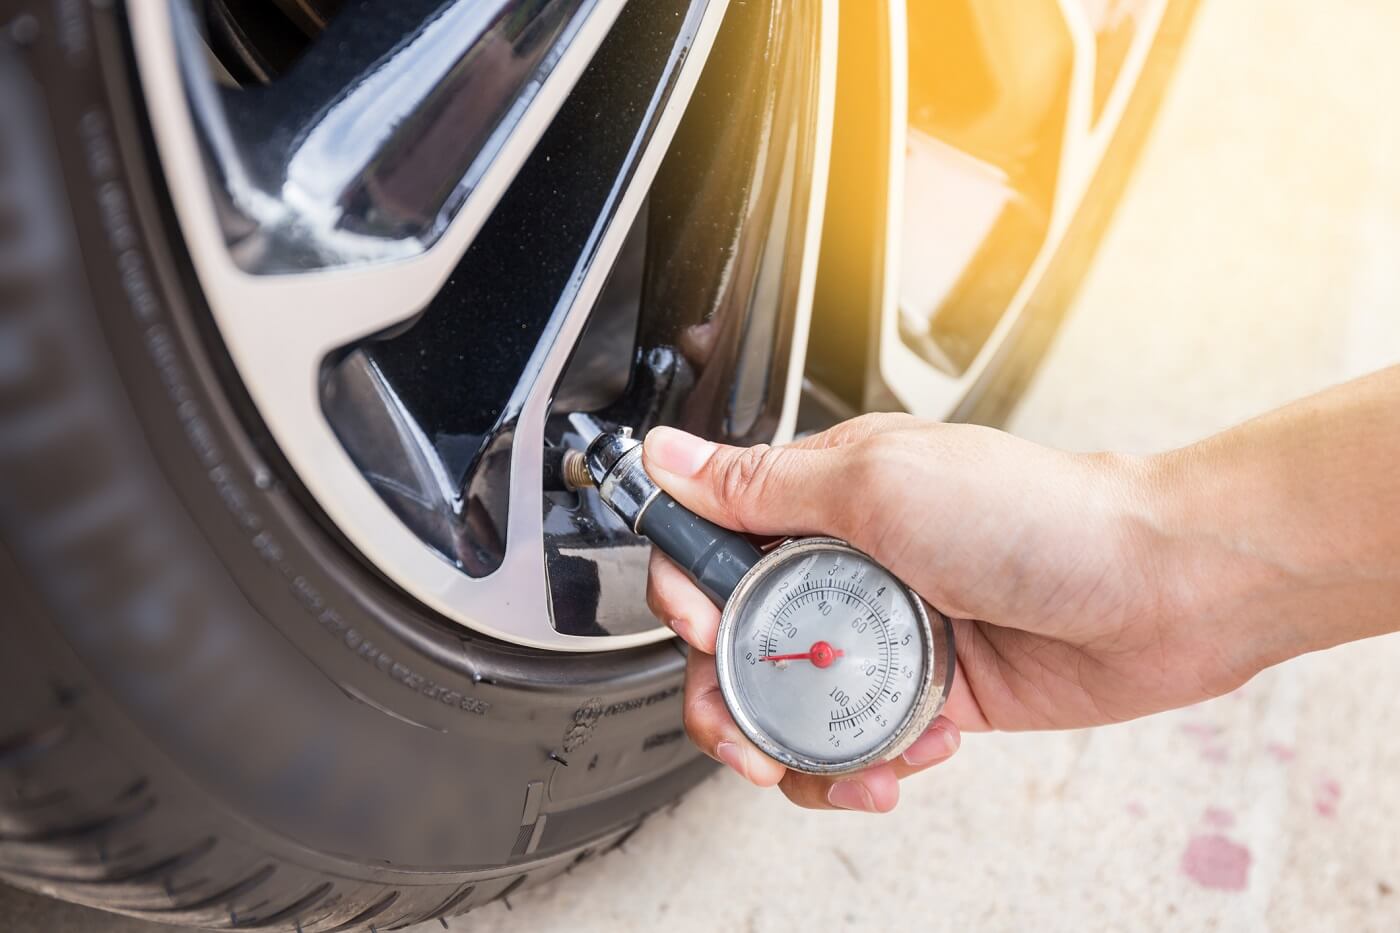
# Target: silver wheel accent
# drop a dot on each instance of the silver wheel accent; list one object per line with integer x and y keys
{"x": 955, "y": 267}
{"x": 807, "y": 282}
{"x": 279, "y": 327}
{"x": 934, "y": 388}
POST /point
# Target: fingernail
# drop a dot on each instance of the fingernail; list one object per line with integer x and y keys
{"x": 934, "y": 745}
{"x": 732, "y": 755}
{"x": 850, "y": 795}
{"x": 676, "y": 451}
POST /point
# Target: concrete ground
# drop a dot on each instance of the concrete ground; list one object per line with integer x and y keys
{"x": 1256, "y": 258}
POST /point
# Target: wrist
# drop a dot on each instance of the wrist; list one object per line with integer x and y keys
{"x": 1225, "y": 592}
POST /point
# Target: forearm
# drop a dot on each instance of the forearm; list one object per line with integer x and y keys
{"x": 1282, "y": 535}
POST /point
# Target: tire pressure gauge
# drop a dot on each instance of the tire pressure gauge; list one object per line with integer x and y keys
{"x": 826, "y": 660}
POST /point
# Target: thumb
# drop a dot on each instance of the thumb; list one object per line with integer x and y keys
{"x": 758, "y": 490}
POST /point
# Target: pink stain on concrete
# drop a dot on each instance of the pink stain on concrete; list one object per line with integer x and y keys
{"x": 1136, "y": 809}
{"x": 1215, "y": 754}
{"x": 1329, "y": 794}
{"x": 1213, "y": 861}
{"x": 1219, "y": 818}
{"x": 1281, "y": 753}
{"x": 1207, "y": 736}
{"x": 1202, "y": 730}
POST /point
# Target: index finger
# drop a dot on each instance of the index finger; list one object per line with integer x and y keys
{"x": 714, "y": 731}
{"x": 678, "y": 603}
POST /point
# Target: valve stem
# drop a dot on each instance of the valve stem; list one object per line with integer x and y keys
{"x": 576, "y": 475}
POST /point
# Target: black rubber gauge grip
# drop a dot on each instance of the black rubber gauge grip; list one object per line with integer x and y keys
{"x": 714, "y": 557}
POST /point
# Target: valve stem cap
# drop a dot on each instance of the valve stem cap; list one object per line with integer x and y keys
{"x": 576, "y": 475}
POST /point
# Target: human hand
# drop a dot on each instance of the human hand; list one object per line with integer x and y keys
{"x": 1043, "y": 559}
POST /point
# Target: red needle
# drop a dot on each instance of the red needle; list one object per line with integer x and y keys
{"x": 821, "y": 654}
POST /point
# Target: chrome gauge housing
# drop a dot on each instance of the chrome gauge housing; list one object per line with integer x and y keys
{"x": 877, "y": 666}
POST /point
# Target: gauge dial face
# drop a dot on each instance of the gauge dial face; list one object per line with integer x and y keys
{"x": 827, "y": 656}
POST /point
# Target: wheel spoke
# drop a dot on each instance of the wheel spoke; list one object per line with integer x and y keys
{"x": 998, "y": 122}
{"x": 315, "y": 201}
{"x": 983, "y": 185}
{"x": 370, "y": 143}
{"x": 1125, "y": 34}
{"x": 731, "y": 225}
